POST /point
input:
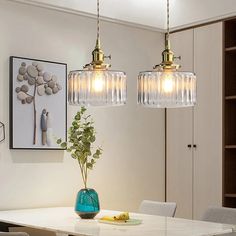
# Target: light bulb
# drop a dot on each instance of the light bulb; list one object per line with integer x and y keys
{"x": 168, "y": 82}
{"x": 98, "y": 82}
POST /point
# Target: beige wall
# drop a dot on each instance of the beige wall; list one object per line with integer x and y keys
{"x": 132, "y": 166}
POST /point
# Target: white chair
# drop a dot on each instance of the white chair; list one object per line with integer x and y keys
{"x": 158, "y": 208}
{"x": 222, "y": 215}
{"x": 13, "y": 234}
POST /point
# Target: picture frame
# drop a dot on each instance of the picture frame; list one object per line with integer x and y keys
{"x": 38, "y": 103}
{"x": 2, "y": 132}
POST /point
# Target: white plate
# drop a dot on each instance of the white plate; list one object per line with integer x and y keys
{"x": 128, "y": 222}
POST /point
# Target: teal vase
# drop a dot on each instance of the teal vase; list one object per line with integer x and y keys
{"x": 87, "y": 203}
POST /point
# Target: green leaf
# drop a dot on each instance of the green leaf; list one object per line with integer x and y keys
{"x": 59, "y": 141}
{"x": 74, "y": 156}
{"x": 89, "y": 166}
{"x": 95, "y": 156}
{"x": 82, "y": 110}
{"x": 78, "y": 117}
{"x": 98, "y": 151}
{"x": 92, "y": 139}
{"x": 64, "y": 145}
{"x": 74, "y": 123}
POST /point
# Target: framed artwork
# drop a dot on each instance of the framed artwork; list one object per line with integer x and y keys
{"x": 38, "y": 103}
{"x": 2, "y": 132}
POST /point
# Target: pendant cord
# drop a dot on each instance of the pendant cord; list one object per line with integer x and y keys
{"x": 168, "y": 19}
{"x": 98, "y": 20}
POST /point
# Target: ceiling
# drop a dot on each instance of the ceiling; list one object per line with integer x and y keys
{"x": 147, "y": 13}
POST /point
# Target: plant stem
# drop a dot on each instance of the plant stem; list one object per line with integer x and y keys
{"x": 86, "y": 174}
{"x": 82, "y": 173}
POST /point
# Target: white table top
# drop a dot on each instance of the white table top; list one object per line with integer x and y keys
{"x": 65, "y": 220}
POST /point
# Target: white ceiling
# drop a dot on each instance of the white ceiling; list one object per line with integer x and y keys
{"x": 150, "y": 13}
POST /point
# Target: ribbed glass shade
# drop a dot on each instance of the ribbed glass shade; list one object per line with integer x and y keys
{"x": 166, "y": 89}
{"x": 97, "y": 88}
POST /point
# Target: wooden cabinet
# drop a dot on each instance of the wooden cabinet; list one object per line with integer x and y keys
{"x": 229, "y": 158}
{"x": 194, "y": 135}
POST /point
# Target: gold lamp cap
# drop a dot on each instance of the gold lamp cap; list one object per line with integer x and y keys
{"x": 168, "y": 58}
{"x": 98, "y": 58}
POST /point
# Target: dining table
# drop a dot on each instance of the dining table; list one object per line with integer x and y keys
{"x": 64, "y": 221}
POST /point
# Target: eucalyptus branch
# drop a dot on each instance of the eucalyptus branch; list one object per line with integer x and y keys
{"x": 81, "y": 136}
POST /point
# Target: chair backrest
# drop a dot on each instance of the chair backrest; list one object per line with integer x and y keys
{"x": 13, "y": 234}
{"x": 222, "y": 215}
{"x": 158, "y": 208}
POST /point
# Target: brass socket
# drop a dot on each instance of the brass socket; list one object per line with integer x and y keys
{"x": 98, "y": 55}
{"x": 97, "y": 58}
{"x": 168, "y": 58}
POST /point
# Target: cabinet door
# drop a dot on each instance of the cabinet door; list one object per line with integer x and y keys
{"x": 208, "y": 118}
{"x": 179, "y": 131}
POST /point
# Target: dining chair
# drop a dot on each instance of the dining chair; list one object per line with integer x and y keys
{"x": 227, "y": 234}
{"x": 13, "y": 234}
{"x": 158, "y": 208}
{"x": 222, "y": 215}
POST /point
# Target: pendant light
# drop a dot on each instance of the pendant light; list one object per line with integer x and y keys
{"x": 165, "y": 86}
{"x": 96, "y": 85}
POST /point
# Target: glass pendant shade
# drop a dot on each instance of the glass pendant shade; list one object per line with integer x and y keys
{"x": 166, "y": 89}
{"x": 97, "y": 88}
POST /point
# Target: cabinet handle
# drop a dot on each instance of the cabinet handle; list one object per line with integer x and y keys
{"x": 195, "y": 145}
{"x": 189, "y": 145}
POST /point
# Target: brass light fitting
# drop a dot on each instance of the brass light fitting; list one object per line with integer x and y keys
{"x": 98, "y": 58}
{"x": 98, "y": 55}
{"x": 96, "y": 85}
{"x": 165, "y": 86}
{"x": 168, "y": 58}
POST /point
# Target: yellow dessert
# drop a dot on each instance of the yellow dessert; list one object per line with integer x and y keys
{"x": 121, "y": 217}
